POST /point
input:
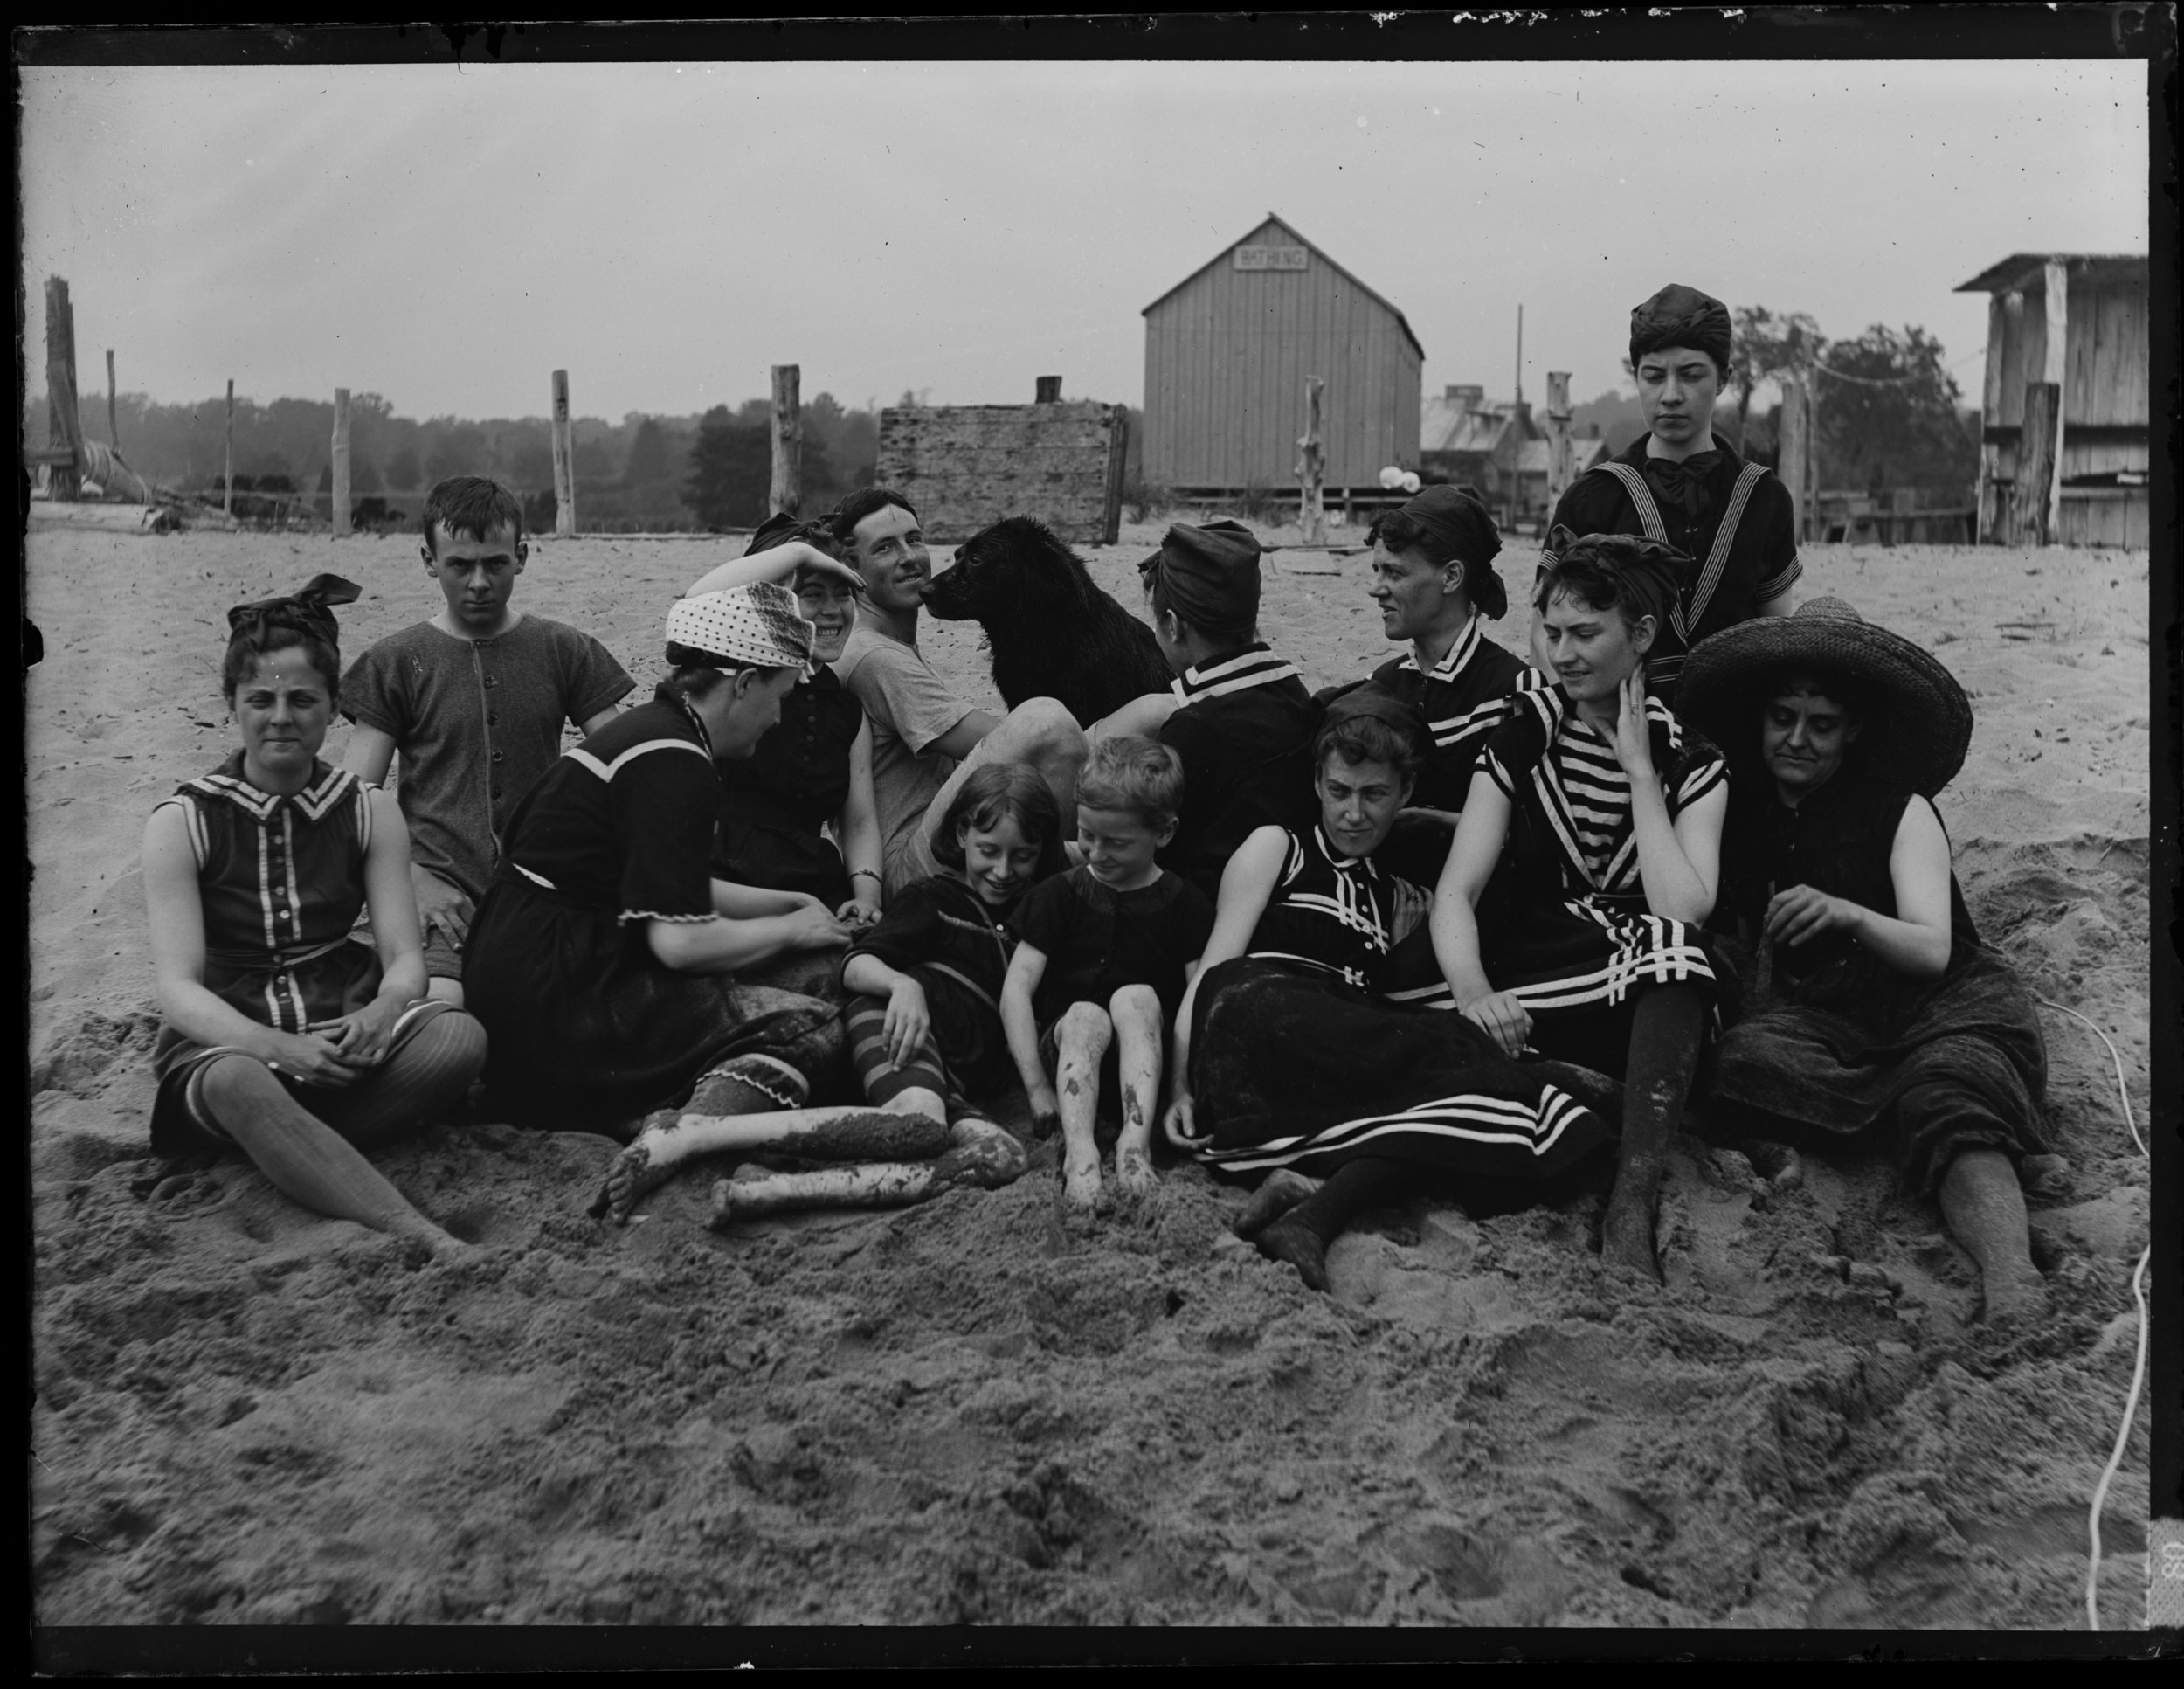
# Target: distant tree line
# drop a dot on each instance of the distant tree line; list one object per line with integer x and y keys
{"x": 660, "y": 472}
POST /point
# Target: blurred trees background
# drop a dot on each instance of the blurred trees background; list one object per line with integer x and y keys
{"x": 643, "y": 474}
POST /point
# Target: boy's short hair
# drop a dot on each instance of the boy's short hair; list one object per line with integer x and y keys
{"x": 1139, "y": 775}
{"x": 859, "y": 505}
{"x": 471, "y": 507}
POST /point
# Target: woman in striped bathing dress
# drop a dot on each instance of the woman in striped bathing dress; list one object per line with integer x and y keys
{"x": 1288, "y": 1059}
{"x": 283, "y": 1039}
{"x": 1567, "y": 918}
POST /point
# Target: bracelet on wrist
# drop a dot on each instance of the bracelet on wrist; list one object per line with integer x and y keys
{"x": 865, "y": 874}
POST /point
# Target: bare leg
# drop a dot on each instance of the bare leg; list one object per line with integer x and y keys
{"x": 1664, "y": 1037}
{"x": 1986, "y": 1211}
{"x": 306, "y": 1159}
{"x": 982, "y": 1156}
{"x": 1142, "y": 717}
{"x": 1082, "y": 1037}
{"x": 445, "y": 991}
{"x": 913, "y": 1125}
{"x": 1136, "y": 1013}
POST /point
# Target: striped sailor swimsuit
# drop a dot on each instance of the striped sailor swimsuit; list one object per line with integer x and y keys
{"x": 1563, "y": 922}
{"x": 1294, "y": 1062}
{"x": 281, "y": 881}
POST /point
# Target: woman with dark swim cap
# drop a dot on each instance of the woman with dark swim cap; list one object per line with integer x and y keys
{"x": 282, "y": 1038}
{"x": 1680, "y": 485}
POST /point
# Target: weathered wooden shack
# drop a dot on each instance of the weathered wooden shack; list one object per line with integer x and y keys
{"x": 2064, "y": 446}
{"x": 1228, "y": 350}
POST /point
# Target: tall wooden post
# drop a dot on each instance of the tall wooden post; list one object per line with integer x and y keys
{"x": 64, "y": 432}
{"x": 786, "y": 496}
{"x": 1047, "y": 390}
{"x": 114, "y": 428}
{"x": 1795, "y": 456}
{"x": 1560, "y": 467}
{"x": 227, "y": 479}
{"x": 1986, "y": 523}
{"x": 564, "y": 462}
{"x": 2054, "y": 367}
{"x": 340, "y": 463}
{"x": 2033, "y": 509}
{"x": 1311, "y": 468}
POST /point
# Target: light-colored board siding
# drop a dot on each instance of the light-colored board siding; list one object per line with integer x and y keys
{"x": 2101, "y": 457}
{"x": 1226, "y": 357}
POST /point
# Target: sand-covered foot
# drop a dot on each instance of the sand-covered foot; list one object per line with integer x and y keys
{"x": 2013, "y": 1303}
{"x": 1779, "y": 1164}
{"x": 1134, "y": 1175}
{"x": 1627, "y": 1242}
{"x": 1080, "y": 1181}
{"x": 1283, "y": 1189}
{"x": 636, "y": 1172}
{"x": 1298, "y": 1244}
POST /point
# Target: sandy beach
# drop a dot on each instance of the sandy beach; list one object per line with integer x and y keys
{"x": 978, "y": 1410}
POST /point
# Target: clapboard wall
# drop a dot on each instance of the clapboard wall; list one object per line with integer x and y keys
{"x": 1228, "y": 350}
{"x": 2104, "y": 376}
{"x": 965, "y": 467}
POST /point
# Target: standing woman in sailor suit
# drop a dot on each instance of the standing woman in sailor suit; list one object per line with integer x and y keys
{"x": 283, "y": 1039}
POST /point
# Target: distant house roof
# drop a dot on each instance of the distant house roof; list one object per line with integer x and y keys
{"x": 1274, "y": 220}
{"x": 2026, "y": 272}
{"x": 1448, "y": 425}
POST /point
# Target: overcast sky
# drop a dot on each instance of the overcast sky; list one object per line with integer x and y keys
{"x": 447, "y": 236}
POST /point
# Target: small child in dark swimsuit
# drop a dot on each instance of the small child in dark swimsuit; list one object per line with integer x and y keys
{"x": 1105, "y": 952}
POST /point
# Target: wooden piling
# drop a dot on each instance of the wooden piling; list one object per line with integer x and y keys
{"x": 785, "y": 496}
{"x": 64, "y": 430}
{"x": 1047, "y": 390}
{"x": 564, "y": 462}
{"x": 1311, "y": 468}
{"x": 1560, "y": 460}
{"x": 2032, "y": 506}
{"x": 227, "y": 479}
{"x": 340, "y": 463}
{"x": 1795, "y": 456}
{"x": 114, "y": 428}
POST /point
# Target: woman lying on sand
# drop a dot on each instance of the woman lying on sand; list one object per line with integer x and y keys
{"x": 1284, "y": 1057}
{"x": 282, "y": 1038}
{"x": 1567, "y": 915}
{"x": 602, "y": 959}
{"x": 1871, "y": 998}
{"x": 924, "y": 1030}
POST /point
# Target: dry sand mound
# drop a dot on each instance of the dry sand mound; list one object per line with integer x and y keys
{"x": 978, "y": 1410}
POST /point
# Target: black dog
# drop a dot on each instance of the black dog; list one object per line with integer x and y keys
{"x": 1052, "y": 630}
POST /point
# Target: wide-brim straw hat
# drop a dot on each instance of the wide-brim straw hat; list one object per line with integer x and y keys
{"x": 1917, "y": 722}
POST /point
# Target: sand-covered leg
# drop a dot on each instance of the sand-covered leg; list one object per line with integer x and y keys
{"x": 1664, "y": 1040}
{"x": 1284, "y": 1188}
{"x": 1081, "y": 1039}
{"x": 1135, "y": 1011}
{"x": 1985, "y": 1208}
{"x": 838, "y": 1133}
{"x": 983, "y": 1154}
{"x": 754, "y": 1191}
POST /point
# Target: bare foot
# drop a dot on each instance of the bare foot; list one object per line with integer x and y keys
{"x": 633, "y": 1175}
{"x": 1626, "y": 1241}
{"x": 2013, "y": 1302}
{"x": 1283, "y": 1189}
{"x": 1779, "y": 1164}
{"x": 1299, "y": 1245}
{"x": 1133, "y": 1170}
{"x": 1080, "y": 1181}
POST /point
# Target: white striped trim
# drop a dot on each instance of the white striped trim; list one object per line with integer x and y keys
{"x": 1257, "y": 666}
{"x": 608, "y": 770}
{"x": 535, "y": 879}
{"x": 1454, "y": 660}
{"x": 1469, "y": 1117}
{"x": 1716, "y": 558}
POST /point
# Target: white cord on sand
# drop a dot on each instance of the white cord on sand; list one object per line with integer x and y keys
{"x": 2123, "y": 1437}
{"x": 2123, "y": 1095}
{"x": 2138, "y": 1367}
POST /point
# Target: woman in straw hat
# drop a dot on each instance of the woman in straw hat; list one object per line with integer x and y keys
{"x": 603, "y": 960}
{"x": 1872, "y": 1000}
{"x": 1567, "y": 919}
